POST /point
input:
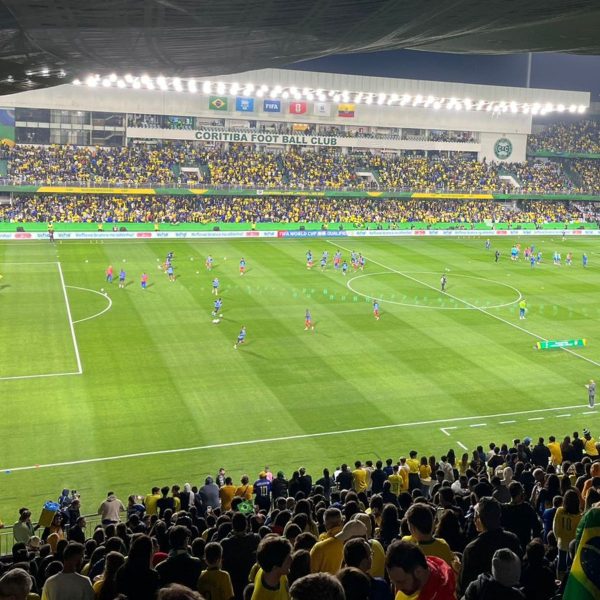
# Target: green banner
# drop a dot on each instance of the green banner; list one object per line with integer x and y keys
{"x": 551, "y": 344}
{"x": 553, "y": 154}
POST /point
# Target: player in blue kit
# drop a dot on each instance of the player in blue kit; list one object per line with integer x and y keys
{"x": 217, "y": 307}
{"x": 242, "y": 266}
{"x": 122, "y": 278}
{"x": 209, "y": 263}
{"x": 488, "y": 244}
{"x": 241, "y": 339}
{"x": 308, "y": 324}
{"x": 344, "y": 268}
{"x": 215, "y": 286}
{"x": 539, "y": 257}
{"x": 361, "y": 262}
{"x": 323, "y": 263}
{"x": 171, "y": 272}
{"x": 532, "y": 261}
{"x": 585, "y": 260}
{"x": 376, "y": 310}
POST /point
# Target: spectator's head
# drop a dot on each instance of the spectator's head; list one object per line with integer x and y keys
{"x": 179, "y": 537}
{"x": 300, "y": 566}
{"x": 506, "y": 567}
{"x": 352, "y": 529}
{"x": 356, "y": 584}
{"x": 15, "y": 584}
{"x": 274, "y": 555}
{"x": 176, "y": 591}
{"x": 420, "y": 520}
{"x": 571, "y": 502}
{"x": 165, "y": 490}
{"x": 406, "y": 567}
{"x": 358, "y": 553}
{"x": 317, "y": 586}
{"x": 535, "y": 552}
{"x": 516, "y": 492}
{"x": 488, "y": 513}
{"x": 155, "y": 490}
{"x": 239, "y": 523}
{"x": 213, "y": 554}
{"x": 332, "y": 518}
{"x": 72, "y": 557}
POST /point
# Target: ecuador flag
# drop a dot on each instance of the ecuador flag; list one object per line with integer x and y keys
{"x": 346, "y": 110}
{"x": 584, "y": 578}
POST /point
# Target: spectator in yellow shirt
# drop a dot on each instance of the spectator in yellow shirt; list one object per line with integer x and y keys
{"x": 150, "y": 501}
{"x": 555, "y": 451}
{"x": 274, "y": 556}
{"x": 359, "y": 478}
{"x": 214, "y": 583}
{"x": 396, "y": 481}
{"x": 227, "y": 494}
{"x": 565, "y": 524}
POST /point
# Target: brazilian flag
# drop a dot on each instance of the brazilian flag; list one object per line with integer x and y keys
{"x": 217, "y": 103}
{"x": 584, "y": 578}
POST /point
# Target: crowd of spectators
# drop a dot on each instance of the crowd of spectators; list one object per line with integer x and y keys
{"x": 169, "y": 164}
{"x": 578, "y": 136}
{"x": 275, "y": 209}
{"x": 540, "y": 177}
{"x": 505, "y": 522}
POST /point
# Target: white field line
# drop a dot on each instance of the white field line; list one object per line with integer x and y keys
{"x": 536, "y": 419}
{"x": 29, "y": 263}
{"x": 506, "y": 422}
{"x": 462, "y": 445}
{"x": 13, "y": 377}
{"x": 562, "y": 416}
{"x": 467, "y": 303}
{"x": 479, "y": 425}
{"x": 301, "y": 436}
{"x": 74, "y": 287}
{"x": 62, "y": 281}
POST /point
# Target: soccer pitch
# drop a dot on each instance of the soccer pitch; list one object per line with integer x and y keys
{"x": 140, "y": 388}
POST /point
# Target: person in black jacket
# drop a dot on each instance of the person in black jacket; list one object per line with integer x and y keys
{"x": 520, "y": 517}
{"x": 344, "y": 478}
{"x": 477, "y": 557}
{"x": 502, "y": 583}
{"x": 279, "y": 486}
{"x": 180, "y": 566}
{"x": 540, "y": 455}
{"x": 305, "y": 482}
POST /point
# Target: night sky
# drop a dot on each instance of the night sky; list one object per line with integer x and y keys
{"x": 551, "y": 71}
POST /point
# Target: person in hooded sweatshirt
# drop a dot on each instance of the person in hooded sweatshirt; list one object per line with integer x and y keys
{"x": 502, "y": 583}
{"x": 110, "y": 510}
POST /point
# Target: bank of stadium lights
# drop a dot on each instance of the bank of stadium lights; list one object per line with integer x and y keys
{"x": 278, "y": 91}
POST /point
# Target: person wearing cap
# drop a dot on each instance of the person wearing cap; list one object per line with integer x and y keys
{"x": 377, "y": 552}
{"x": 417, "y": 576}
{"x": 591, "y": 388}
{"x": 326, "y": 555}
{"x": 503, "y": 582}
{"x": 23, "y": 529}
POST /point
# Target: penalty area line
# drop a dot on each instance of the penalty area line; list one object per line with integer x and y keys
{"x": 467, "y": 303}
{"x": 287, "y": 438}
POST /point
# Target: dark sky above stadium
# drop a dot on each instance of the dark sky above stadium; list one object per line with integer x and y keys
{"x": 552, "y": 71}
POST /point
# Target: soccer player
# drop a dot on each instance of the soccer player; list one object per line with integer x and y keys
{"x": 532, "y": 261}
{"x": 497, "y": 255}
{"x": 242, "y": 266}
{"x": 215, "y": 286}
{"x": 170, "y": 272}
{"x": 376, "y": 310}
{"x": 344, "y": 268}
{"x": 488, "y": 244}
{"x": 144, "y": 281}
{"x": 217, "y": 307}
{"x": 337, "y": 259}
{"x": 309, "y": 260}
{"x": 308, "y": 324}
{"x": 323, "y": 263}
{"x": 241, "y": 337}
{"x": 514, "y": 253}
{"x": 591, "y": 387}
{"x": 361, "y": 262}
{"x": 569, "y": 259}
{"x": 522, "y": 309}
{"x": 122, "y": 278}
{"x": 109, "y": 274}
{"x": 209, "y": 262}
{"x": 539, "y": 257}
{"x": 443, "y": 282}
{"x": 585, "y": 260}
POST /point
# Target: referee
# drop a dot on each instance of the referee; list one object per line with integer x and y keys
{"x": 591, "y": 387}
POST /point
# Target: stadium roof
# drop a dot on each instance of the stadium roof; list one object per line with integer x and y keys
{"x": 45, "y": 42}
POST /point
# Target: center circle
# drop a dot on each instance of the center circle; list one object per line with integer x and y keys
{"x": 461, "y": 295}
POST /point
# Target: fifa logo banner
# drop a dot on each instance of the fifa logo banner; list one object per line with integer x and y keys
{"x": 244, "y": 104}
{"x": 272, "y": 106}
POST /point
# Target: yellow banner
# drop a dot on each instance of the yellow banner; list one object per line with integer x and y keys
{"x": 198, "y": 192}
{"x": 51, "y": 189}
{"x": 452, "y": 195}
{"x": 374, "y": 194}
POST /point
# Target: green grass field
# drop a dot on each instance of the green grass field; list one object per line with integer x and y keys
{"x": 163, "y": 384}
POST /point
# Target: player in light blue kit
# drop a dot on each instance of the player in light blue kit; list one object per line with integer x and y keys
{"x": 217, "y": 307}
{"x": 539, "y": 257}
{"x": 532, "y": 261}
{"x": 488, "y": 244}
{"x": 585, "y": 260}
{"x": 122, "y": 278}
{"x": 241, "y": 339}
{"x": 344, "y": 268}
{"x": 215, "y": 286}
{"x": 171, "y": 272}
{"x": 323, "y": 263}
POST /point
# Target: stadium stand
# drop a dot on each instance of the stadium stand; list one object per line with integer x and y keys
{"x": 580, "y": 136}
{"x": 503, "y": 519}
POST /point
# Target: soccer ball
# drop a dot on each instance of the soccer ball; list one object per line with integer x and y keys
{"x": 86, "y": 260}
{"x": 216, "y": 321}
{"x": 102, "y": 290}
{"x": 158, "y": 266}
{"x": 124, "y": 260}
{"x": 197, "y": 272}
